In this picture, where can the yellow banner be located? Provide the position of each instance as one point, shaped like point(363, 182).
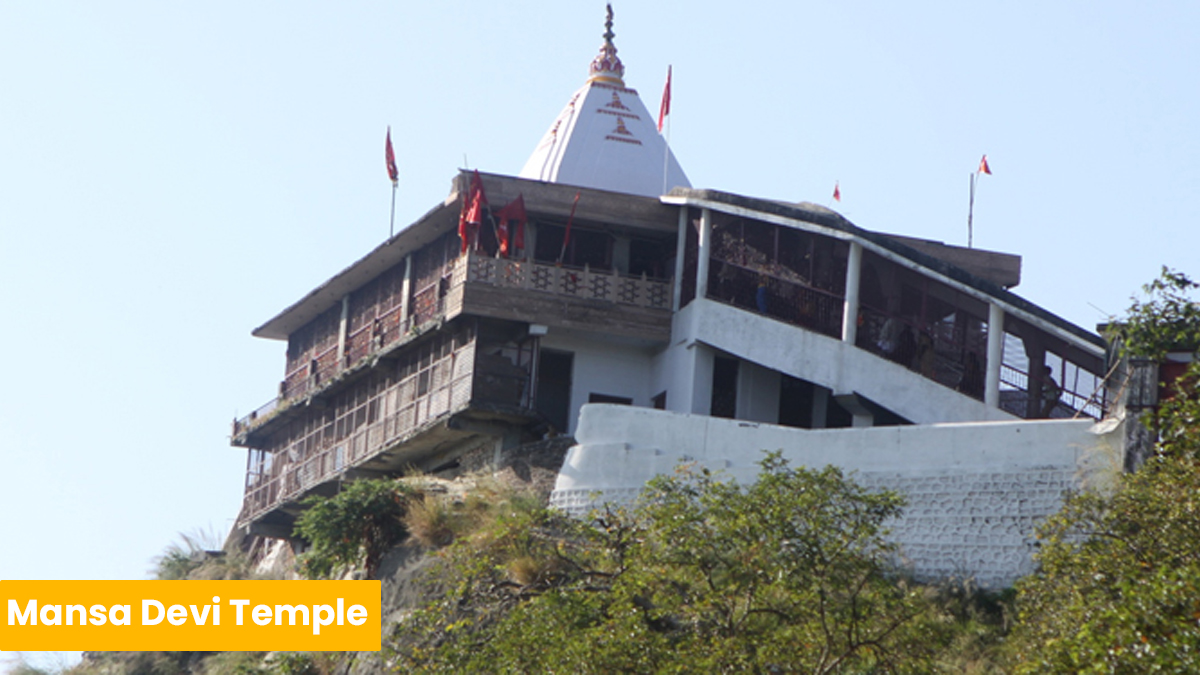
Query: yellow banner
point(190, 616)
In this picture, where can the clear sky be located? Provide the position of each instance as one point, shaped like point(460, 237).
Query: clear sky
point(173, 175)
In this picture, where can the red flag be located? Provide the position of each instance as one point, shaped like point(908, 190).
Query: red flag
point(837, 191)
point(390, 156)
point(514, 211)
point(567, 234)
point(472, 211)
point(983, 166)
point(665, 108)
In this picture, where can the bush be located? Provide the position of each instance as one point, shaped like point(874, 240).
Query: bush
point(354, 528)
point(791, 573)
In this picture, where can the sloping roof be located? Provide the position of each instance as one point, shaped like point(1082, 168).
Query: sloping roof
point(832, 220)
point(541, 198)
point(605, 137)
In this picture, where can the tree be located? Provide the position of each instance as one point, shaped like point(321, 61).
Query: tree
point(1167, 320)
point(789, 574)
point(1118, 585)
point(1118, 589)
point(354, 528)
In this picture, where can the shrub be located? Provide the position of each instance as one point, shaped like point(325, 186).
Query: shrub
point(354, 528)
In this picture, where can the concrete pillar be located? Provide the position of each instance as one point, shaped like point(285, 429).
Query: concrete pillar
point(343, 323)
point(703, 359)
point(995, 355)
point(850, 304)
point(680, 252)
point(405, 289)
point(705, 248)
point(860, 414)
point(820, 407)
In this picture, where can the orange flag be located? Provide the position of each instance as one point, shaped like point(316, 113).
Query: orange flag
point(983, 166)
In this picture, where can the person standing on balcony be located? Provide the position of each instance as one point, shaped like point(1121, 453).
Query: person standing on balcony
point(972, 381)
point(760, 296)
point(1051, 392)
point(889, 336)
point(925, 361)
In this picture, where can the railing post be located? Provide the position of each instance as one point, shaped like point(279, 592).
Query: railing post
point(850, 304)
point(995, 355)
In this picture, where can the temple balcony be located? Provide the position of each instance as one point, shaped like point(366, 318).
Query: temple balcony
point(475, 285)
point(411, 383)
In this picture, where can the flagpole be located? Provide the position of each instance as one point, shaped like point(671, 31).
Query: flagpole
point(495, 230)
point(666, 154)
point(392, 223)
point(664, 110)
point(389, 155)
point(971, 213)
point(567, 233)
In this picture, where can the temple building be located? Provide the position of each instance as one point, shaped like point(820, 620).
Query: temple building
point(598, 297)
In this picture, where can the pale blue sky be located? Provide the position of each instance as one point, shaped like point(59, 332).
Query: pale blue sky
point(172, 175)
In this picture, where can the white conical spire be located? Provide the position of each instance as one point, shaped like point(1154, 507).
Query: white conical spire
point(605, 137)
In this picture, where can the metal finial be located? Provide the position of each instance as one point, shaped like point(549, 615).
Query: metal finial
point(607, 67)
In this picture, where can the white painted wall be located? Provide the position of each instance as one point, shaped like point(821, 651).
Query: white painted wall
point(758, 393)
point(684, 370)
point(615, 368)
point(826, 361)
point(975, 490)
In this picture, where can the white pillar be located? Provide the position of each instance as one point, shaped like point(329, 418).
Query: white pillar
point(995, 355)
point(342, 325)
point(703, 252)
point(404, 290)
point(850, 305)
point(820, 407)
point(680, 252)
point(702, 378)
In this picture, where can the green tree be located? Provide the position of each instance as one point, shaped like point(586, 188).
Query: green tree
point(354, 528)
point(789, 574)
point(1168, 319)
point(1118, 586)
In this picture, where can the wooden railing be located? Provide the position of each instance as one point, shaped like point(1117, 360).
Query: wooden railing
point(429, 304)
point(570, 281)
point(274, 479)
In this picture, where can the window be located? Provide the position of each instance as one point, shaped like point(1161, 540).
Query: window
point(659, 402)
point(606, 398)
point(586, 247)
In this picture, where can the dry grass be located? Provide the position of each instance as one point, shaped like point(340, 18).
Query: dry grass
point(448, 511)
point(431, 520)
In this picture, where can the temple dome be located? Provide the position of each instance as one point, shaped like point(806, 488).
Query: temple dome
point(605, 137)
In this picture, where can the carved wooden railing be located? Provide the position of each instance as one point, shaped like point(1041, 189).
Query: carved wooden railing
point(429, 304)
point(440, 388)
point(585, 283)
